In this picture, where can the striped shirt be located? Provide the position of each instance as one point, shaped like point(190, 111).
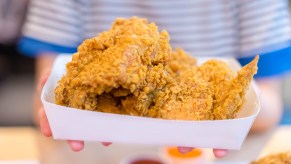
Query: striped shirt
point(238, 28)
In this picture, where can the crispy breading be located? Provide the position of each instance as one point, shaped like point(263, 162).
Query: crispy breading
point(139, 102)
point(179, 62)
point(118, 58)
point(210, 91)
point(131, 70)
point(231, 95)
point(188, 97)
point(279, 158)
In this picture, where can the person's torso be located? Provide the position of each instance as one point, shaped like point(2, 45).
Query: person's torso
point(200, 27)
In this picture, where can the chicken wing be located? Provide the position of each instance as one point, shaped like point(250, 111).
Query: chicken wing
point(230, 94)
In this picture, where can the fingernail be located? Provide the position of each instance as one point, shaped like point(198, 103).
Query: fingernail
point(220, 153)
point(106, 143)
point(46, 132)
point(184, 150)
point(76, 146)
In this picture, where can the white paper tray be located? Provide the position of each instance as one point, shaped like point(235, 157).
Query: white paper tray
point(69, 123)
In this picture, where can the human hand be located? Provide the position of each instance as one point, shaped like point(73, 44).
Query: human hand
point(42, 120)
point(218, 153)
point(46, 131)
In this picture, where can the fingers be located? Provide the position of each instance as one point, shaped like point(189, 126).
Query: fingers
point(184, 150)
point(46, 131)
point(42, 80)
point(220, 153)
point(79, 145)
point(43, 123)
point(106, 143)
point(76, 145)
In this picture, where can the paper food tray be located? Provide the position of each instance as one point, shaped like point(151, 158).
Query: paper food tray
point(74, 124)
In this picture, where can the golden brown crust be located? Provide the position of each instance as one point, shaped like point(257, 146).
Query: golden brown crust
point(120, 57)
point(130, 69)
point(280, 158)
point(180, 61)
point(231, 93)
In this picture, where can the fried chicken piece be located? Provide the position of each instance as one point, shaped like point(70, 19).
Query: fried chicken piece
point(280, 158)
point(216, 72)
point(204, 93)
point(187, 98)
point(179, 62)
point(119, 58)
point(140, 102)
point(151, 100)
point(230, 95)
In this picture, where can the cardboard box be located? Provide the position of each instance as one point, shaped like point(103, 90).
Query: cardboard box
point(74, 124)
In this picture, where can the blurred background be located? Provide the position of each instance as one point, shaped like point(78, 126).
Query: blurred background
point(17, 71)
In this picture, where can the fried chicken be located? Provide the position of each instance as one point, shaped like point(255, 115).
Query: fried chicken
point(210, 91)
point(180, 61)
point(131, 70)
point(230, 94)
point(188, 97)
point(280, 158)
point(118, 59)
